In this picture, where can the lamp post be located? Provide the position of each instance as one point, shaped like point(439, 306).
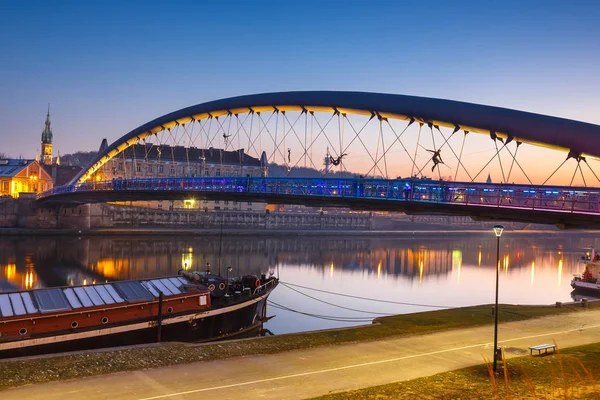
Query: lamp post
point(498, 231)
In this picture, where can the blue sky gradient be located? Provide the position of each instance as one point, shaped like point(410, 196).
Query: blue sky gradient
point(108, 67)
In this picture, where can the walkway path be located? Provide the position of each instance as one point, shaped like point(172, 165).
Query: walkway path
point(312, 372)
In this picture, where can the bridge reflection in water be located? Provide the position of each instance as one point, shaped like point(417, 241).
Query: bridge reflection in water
point(440, 270)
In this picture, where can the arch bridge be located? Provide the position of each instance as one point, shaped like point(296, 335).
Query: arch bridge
point(365, 151)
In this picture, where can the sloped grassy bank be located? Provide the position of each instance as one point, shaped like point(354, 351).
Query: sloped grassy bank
point(570, 374)
point(90, 363)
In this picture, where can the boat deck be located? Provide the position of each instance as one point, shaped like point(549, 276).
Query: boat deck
point(72, 298)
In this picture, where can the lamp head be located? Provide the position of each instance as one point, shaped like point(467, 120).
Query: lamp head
point(498, 230)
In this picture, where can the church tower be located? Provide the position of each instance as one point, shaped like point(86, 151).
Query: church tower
point(47, 141)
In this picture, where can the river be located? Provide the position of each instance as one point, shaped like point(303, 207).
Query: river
point(411, 273)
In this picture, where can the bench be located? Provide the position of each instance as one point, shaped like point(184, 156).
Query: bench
point(541, 347)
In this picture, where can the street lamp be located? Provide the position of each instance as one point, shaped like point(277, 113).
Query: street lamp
point(498, 231)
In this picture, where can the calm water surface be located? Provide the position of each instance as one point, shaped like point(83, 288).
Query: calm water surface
point(446, 271)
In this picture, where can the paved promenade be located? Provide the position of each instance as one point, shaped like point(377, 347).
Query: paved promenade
point(312, 372)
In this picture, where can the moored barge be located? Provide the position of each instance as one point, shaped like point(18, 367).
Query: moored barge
point(188, 307)
point(588, 280)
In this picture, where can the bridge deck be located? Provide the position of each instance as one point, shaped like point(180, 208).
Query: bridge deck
point(576, 207)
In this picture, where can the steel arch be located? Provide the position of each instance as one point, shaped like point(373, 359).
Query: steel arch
point(541, 130)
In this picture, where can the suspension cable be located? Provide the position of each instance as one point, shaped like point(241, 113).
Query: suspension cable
point(435, 149)
point(588, 165)
point(416, 148)
point(488, 163)
point(581, 171)
point(383, 148)
point(499, 159)
point(517, 162)
point(460, 156)
point(574, 173)
point(547, 179)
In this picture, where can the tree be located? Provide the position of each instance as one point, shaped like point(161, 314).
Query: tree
point(78, 159)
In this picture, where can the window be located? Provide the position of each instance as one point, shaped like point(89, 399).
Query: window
point(161, 169)
point(172, 170)
point(216, 201)
point(249, 203)
point(138, 168)
point(5, 186)
point(120, 166)
point(149, 168)
point(226, 201)
point(218, 172)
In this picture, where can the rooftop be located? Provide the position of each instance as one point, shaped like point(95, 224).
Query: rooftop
point(11, 167)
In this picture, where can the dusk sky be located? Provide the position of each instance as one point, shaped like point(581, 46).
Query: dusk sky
point(107, 67)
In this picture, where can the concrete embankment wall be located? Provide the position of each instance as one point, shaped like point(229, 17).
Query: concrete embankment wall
point(25, 213)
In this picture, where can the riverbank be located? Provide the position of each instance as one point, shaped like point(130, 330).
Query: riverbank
point(568, 374)
point(262, 232)
point(91, 363)
point(283, 374)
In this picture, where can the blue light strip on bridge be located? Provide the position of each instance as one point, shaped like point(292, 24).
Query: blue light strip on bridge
point(562, 199)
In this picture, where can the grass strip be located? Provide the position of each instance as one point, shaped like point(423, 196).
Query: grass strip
point(90, 363)
point(568, 374)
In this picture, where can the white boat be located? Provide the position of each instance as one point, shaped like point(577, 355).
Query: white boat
point(588, 280)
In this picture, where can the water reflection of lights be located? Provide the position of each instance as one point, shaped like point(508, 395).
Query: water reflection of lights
point(560, 268)
point(457, 262)
point(379, 270)
point(479, 259)
point(10, 271)
point(420, 271)
point(29, 280)
point(505, 262)
point(532, 271)
point(331, 271)
point(187, 259)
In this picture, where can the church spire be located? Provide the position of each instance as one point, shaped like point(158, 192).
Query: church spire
point(47, 140)
point(47, 132)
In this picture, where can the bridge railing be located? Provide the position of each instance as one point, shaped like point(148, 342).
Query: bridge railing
point(565, 199)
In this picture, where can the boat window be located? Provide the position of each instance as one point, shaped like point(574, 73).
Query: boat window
point(17, 304)
point(172, 288)
point(182, 280)
point(31, 308)
point(5, 308)
point(83, 297)
point(177, 283)
point(133, 291)
point(113, 293)
point(101, 289)
point(94, 296)
point(72, 298)
point(151, 288)
point(51, 300)
point(158, 284)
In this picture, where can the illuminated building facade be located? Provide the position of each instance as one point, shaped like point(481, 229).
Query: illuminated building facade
point(145, 161)
point(23, 176)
